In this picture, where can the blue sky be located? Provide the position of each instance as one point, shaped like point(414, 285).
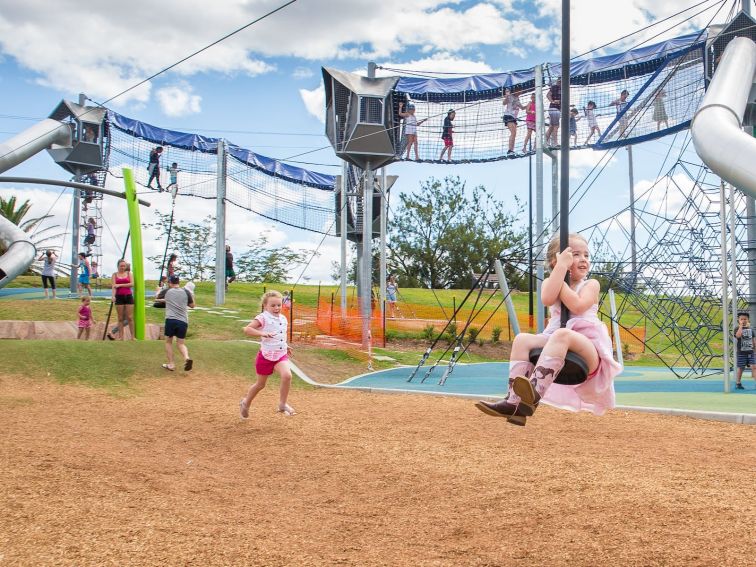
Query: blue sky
point(268, 79)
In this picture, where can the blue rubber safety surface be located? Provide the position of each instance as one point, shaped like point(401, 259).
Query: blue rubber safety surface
point(489, 379)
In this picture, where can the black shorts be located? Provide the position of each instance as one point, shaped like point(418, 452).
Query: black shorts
point(509, 119)
point(746, 359)
point(51, 279)
point(124, 299)
point(175, 328)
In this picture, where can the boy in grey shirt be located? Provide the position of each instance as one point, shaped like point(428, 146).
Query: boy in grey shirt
point(177, 301)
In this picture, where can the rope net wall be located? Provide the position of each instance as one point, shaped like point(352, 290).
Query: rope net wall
point(676, 291)
point(290, 195)
point(664, 84)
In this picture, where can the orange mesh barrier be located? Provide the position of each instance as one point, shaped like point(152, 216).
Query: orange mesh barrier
point(348, 325)
point(413, 318)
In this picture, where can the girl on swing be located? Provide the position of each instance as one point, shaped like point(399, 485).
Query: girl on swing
point(584, 334)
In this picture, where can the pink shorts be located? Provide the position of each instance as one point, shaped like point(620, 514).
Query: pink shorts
point(85, 323)
point(448, 142)
point(265, 367)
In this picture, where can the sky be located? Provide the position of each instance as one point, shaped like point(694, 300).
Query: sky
point(262, 88)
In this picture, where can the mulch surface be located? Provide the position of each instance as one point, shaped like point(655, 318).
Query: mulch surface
point(171, 476)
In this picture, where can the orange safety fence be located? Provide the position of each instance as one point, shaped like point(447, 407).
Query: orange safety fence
point(347, 325)
point(328, 320)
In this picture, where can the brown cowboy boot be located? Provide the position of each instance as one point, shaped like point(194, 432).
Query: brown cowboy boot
point(503, 408)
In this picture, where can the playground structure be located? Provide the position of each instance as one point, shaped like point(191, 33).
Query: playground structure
point(364, 128)
point(679, 276)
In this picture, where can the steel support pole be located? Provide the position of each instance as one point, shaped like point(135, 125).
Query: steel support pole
point(504, 286)
point(751, 252)
point(75, 220)
point(344, 239)
point(367, 254)
point(615, 328)
point(633, 255)
point(564, 189)
point(382, 278)
point(725, 321)
point(539, 195)
point(733, 267)
point(220, 226)
point(554, 191)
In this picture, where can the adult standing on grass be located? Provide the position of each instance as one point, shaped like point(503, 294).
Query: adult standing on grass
point(230, 274)
point(48, 271)
point(123, 298)
point(177, 301)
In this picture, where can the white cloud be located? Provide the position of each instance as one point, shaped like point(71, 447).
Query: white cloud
point(302, 73)
point(589, 18)
point(582, 161)
point(178, 100)
point(314, 102)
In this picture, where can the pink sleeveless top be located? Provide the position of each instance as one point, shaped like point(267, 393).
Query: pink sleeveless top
point(123, 290)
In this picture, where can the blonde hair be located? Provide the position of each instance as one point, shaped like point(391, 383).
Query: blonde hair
point(267, 295)
point(85, 299)
point(553, 248)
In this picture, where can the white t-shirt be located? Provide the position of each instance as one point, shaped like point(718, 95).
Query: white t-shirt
point(410, 124)
point(511, 105)
point(275, 347)
point(49, 268)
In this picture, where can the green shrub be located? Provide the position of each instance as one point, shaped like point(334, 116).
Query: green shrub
point(429, 332)
point(496, 334)
point(473, 333)
point(451, 332)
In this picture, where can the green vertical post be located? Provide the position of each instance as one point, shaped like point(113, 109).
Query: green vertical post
point(137, 266)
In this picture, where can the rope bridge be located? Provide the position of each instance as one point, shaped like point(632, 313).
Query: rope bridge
point(291, 195)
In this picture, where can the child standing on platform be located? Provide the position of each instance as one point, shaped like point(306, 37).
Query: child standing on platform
point(85, 318)
point(590, 116)
point(173, 173)
point(447, 135)
point(530, 121)
point(410, 128)
point(273, 356)
point(746, 345)
point(573, 125)
point(585, 335)
point(512, 107)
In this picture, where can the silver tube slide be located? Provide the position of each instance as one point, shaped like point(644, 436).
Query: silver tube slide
point(717, 130)
point(20, 251)
point(32, 141)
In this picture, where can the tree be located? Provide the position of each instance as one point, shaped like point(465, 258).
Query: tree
point(441, 236)
point(263, 264)
point(17, 214)
point(194, 243)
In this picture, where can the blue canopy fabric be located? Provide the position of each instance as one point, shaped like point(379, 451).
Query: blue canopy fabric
point(641, 60)
point(198, 143)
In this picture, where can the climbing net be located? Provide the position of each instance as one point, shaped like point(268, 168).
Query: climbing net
point(675, 291)
point(266, 187)
point(663, 86)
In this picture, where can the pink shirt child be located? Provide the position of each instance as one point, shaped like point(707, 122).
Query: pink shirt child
point(85, 317)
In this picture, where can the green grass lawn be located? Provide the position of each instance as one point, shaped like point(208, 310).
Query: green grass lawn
point(243, 300)
point(118, 366)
